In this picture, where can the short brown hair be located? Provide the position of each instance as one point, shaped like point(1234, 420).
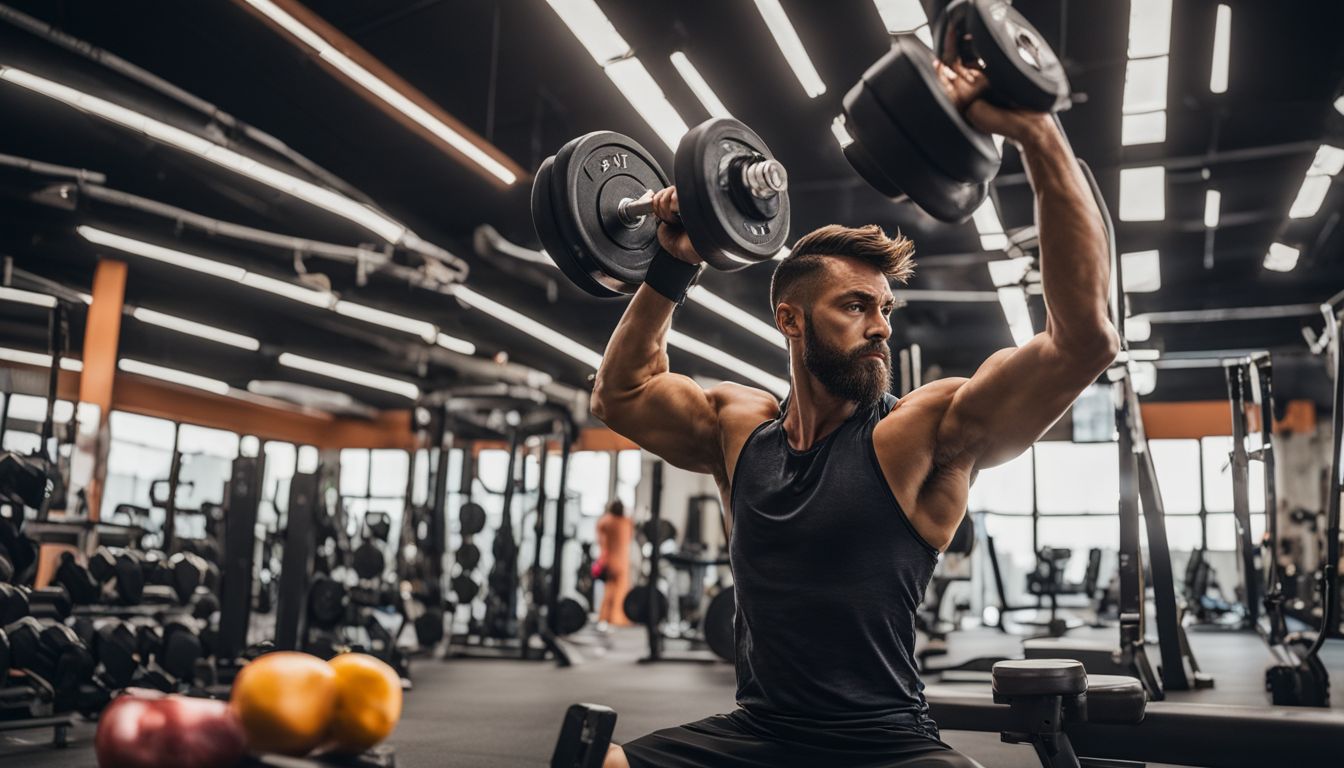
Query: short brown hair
point(895, 256)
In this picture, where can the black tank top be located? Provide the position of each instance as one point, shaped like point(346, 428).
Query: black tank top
point(828, 575)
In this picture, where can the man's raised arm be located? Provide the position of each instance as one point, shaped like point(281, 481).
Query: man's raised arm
point(1018, 393)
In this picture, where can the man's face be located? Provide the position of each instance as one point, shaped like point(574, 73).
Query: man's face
point(845, 332)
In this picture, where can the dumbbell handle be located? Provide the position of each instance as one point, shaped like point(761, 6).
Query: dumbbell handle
point(763, 179)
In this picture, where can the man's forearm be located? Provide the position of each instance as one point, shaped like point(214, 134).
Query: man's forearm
point(637, 351)
point(1075, 265)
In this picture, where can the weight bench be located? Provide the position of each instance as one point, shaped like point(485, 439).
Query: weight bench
point(1063, 712)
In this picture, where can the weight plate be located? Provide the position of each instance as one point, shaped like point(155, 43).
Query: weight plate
point(472, 518)
point(724, 233)
point(666, 530)
point(368, 560)
point(570, 616)
point(906, 85)
point(718, 623)
point(940, 195)
point(1022, 68)
point(466, 588)
point(326, 603)
point(561, 250)
point(636, 605)
point(468, 556)
point(590, 176)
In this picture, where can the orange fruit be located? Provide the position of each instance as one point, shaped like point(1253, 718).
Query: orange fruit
point(285, 701)
point(368, 703)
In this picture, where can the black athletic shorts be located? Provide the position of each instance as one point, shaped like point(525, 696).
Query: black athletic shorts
point(737, 740)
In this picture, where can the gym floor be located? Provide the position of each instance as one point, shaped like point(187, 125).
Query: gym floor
point(479, 713)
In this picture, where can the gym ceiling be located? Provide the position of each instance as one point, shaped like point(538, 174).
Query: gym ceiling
point(513, 73)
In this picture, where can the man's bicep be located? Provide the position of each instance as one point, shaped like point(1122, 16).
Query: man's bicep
point(673, 417)
point(1013, 398)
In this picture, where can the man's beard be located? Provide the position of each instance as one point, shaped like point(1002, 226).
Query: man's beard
point(848, 375)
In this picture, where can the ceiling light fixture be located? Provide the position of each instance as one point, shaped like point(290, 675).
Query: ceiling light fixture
point(987, 223)
point(38, 359)
point(717, 356)
point(193, 328)
point(1281, 258)
point(383, 91)
point(1142, 271)
point(786, 37)
point(350, 375)
point(698, 86)
point(1143, 193)
point(461, 346)
point(731, 312)
point(539, 331)
point(307, 191)
point(1222, 46)
point(27, 297)
point(421, 328)
point(1213, 203)
point(1014, 302)
point(173, 375)
point(165, 255)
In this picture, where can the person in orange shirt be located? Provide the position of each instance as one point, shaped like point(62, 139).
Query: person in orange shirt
point(614, 532)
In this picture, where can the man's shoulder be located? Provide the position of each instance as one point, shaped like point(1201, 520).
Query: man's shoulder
point(738, 401)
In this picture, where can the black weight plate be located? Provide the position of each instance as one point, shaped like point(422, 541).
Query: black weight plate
point(666, 530)
point(570, 616)
point(907, 87)
point(1022, 68)
point(868, 168)
point(472, 518)
point(724, 235)
point(564, 252)
point(590, 176)
point(368, 560)
point(636, 605)
point(719, 617)
point(326, 603)
point(468, 556)
point(940, 195)
point(466, 588)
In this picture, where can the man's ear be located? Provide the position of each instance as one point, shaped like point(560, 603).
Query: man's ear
point(789, 319)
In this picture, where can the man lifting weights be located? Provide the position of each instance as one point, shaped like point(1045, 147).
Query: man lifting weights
point(839, 499)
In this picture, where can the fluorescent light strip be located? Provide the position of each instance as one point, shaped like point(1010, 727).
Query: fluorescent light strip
point(159, 253)
point(1143, 128)
point(717, 356)
point(593, 29)
point(639, 88)
point(321, 299)
point(1329, 161)
point(195, 329)
point(786, 37)
point(1222, 46)
point(698, 86)
point(1138, 329)
point(1149, 28)
point(319, 196)
point(424, 330)
point(841, 133)
point(27, 297)
point(172, 375)
point(527, 325)
point(1145, 85)
point(731, 312)
point(987, 223)
point(350, 375)
point(1142, 271)
point(1014, 302)
point(1213, 203)
point(455, 344)
point(901, 15)
point(288, 290)
point(1310, 196)
point(1143, 194)
point(1281, 258)
point(38, 359)
point(1339, 105)
point(382, 90)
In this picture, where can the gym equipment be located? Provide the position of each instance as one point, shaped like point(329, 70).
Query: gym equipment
point(585, 735)
point(53, 653)
point(1109, 721)
point(718, 625)
point(910, 139)
point(591, 204)
point(991, 35)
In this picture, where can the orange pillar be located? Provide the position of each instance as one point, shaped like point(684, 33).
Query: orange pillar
point(101, 335)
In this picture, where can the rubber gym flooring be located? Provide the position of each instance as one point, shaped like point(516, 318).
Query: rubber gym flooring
point(477, 713)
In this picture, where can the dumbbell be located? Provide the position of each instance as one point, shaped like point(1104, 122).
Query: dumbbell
point(368, 560)
point(591, 204)
point(54, 653)
point(911, 141)
point(122, 569)
point(182, 647)
point(18, 551)
point(46, 603)
point(83, 588)
point(114, 647)
point(188, 572)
